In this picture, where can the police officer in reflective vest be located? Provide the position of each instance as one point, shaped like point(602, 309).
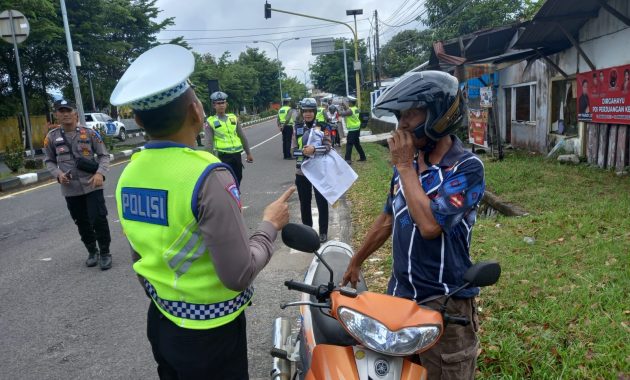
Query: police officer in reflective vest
point(353, 124)
point(180, 209)
point(226, 136)
point(286, 117)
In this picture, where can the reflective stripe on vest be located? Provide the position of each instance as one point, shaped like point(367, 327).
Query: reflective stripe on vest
point(352, 122)
point(225, 138)
point(200, 312)
point(156, 201)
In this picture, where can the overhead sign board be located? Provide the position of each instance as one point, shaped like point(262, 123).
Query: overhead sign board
point(322, 46)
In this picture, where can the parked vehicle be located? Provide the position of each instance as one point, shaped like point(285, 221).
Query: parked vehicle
point(348, 333)
point(111, 127)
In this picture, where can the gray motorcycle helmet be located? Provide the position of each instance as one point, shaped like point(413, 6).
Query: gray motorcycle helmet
point(308, 104)
point(436, 91)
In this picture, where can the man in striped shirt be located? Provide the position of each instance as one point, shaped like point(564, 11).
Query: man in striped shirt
point(430, 212)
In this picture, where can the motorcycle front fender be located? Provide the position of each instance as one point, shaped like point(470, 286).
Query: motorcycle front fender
point(338, 362)
point(332, 362)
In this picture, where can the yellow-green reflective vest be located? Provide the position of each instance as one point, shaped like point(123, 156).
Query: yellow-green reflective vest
point(157, 205)
point(352, 122)
point(320, 115)
point(282, 114)
point(225, 138)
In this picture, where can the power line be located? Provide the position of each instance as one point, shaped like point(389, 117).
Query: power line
point(405, 13)
point(391, 17)
point(266, 28)
point(249, 42)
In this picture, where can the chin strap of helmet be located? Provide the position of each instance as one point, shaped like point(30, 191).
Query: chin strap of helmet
point(427, 149)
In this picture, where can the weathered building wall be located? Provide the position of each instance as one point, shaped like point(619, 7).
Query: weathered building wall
point(530, 134)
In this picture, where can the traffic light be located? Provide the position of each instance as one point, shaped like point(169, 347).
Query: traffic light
point(267, 10)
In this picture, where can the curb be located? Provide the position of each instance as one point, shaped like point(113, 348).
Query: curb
point(42, 175)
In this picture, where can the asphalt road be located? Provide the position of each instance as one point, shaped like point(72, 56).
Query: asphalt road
point(62, 320)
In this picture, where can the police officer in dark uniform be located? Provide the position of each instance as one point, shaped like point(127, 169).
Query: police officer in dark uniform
point(70, 151)
point(310, 139)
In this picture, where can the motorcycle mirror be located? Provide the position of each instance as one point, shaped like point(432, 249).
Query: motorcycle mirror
point(300, 237)
point(484, 273)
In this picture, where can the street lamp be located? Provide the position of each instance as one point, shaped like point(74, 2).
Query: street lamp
point(357, 63)
point(303, 71)
point(277, 47)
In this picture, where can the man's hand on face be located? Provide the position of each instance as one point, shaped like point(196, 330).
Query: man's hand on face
point(401, 148)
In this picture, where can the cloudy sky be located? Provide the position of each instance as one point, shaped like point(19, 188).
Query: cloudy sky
point(216, 26)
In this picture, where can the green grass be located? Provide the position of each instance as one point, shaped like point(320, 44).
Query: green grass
point(560, 309)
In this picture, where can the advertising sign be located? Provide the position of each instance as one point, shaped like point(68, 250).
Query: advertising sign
point(478, 127)
point(603, 96)
point(486, 97)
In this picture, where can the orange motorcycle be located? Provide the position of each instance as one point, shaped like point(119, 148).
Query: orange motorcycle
point(348, 333)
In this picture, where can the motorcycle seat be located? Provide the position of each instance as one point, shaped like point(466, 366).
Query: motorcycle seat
point(328, 330)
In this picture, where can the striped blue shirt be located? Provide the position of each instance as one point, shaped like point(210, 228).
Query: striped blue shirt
point(426, 268)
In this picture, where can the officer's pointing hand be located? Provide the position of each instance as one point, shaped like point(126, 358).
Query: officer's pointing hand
point(277, 212)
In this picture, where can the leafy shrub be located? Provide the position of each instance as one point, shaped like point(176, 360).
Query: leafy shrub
point(107, 139)
point(270, 112)
point(14, 155)
point(34, 163)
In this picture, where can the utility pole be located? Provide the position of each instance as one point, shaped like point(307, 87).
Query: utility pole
point(345, 67)
point(73, 68)
point(377, 52)
point(371, 62)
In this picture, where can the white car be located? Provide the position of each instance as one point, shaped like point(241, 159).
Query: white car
point(111, 127)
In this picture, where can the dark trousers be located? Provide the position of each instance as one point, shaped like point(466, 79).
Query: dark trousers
point(90, 215)
point(287, 135)
point(353, 140)
point(187, 354)
point(235, 161)
point(305, 193)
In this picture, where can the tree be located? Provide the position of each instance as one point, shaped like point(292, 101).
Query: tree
point(109, 34)
point(452, 18)
point(327, 72)
point(406, 50)
point(267, 71)
point(296, 89)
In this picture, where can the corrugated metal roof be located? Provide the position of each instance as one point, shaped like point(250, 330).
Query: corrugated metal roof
point(543, 32)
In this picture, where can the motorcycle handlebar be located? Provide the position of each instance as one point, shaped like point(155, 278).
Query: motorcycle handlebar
point(302, 287)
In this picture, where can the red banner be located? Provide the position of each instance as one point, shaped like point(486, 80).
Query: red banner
point(603, 96)
point(478, 127)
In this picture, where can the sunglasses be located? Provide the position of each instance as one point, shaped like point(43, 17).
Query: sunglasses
point(219, 102)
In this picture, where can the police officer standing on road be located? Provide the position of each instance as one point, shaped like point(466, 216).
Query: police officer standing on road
point(311, 138)
point(286, 117)
point(225, 135)
point(353, 124)
point(69, 151)
point(180, 209)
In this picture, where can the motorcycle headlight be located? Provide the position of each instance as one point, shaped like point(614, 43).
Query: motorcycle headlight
point(376, 336)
